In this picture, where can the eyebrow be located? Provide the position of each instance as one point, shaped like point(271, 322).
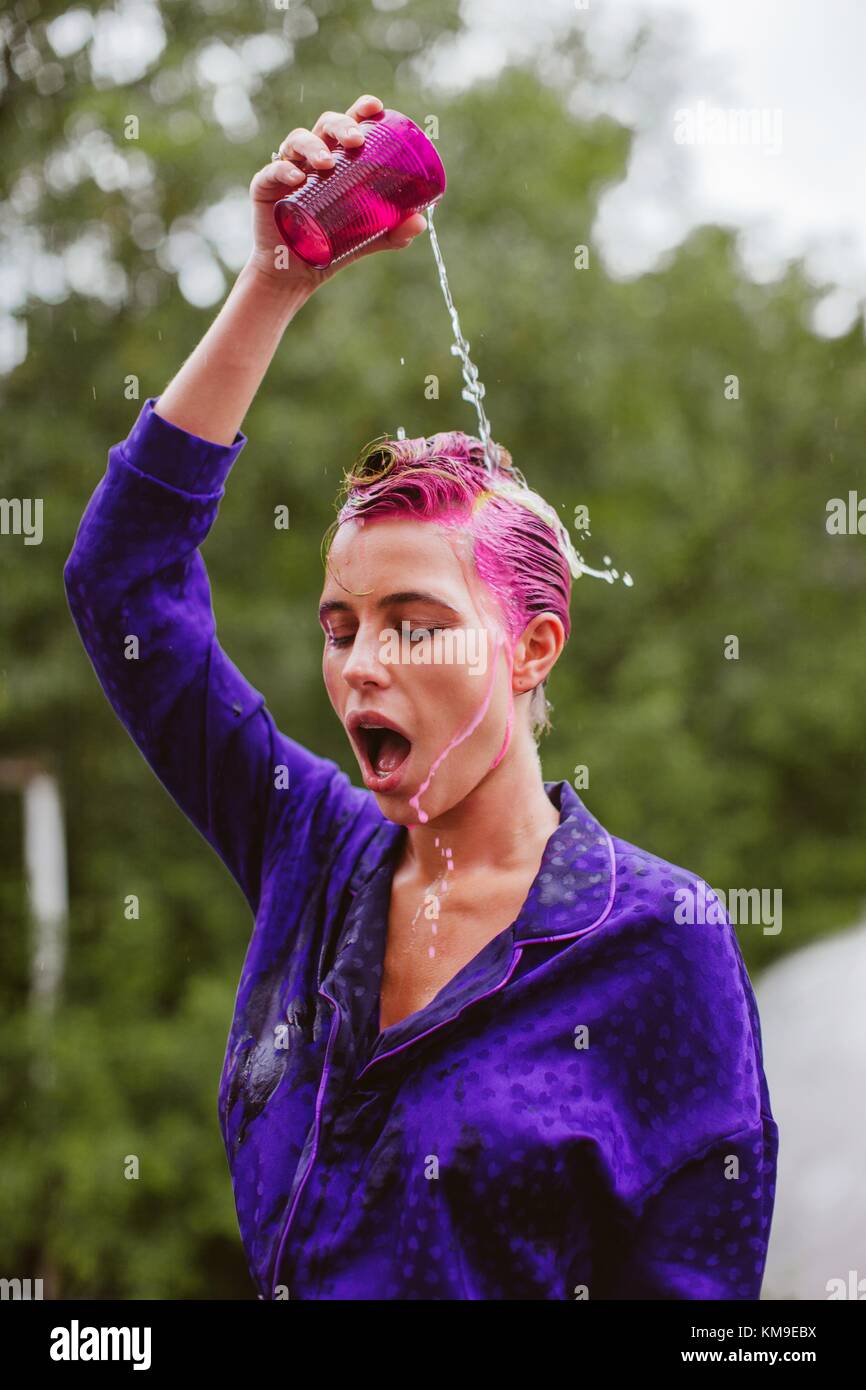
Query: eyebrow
point(389, 601)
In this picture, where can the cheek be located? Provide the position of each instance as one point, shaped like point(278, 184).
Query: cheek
point(330, 677)
point(459, 695)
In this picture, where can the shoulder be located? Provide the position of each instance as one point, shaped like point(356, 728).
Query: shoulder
point(674, 907)
point(670, 922)
point(647, 878)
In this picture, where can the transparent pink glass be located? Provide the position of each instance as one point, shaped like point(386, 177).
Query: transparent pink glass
point(366, 192)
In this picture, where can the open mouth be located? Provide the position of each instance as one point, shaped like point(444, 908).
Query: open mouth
point(386, 750)
point(383, 750)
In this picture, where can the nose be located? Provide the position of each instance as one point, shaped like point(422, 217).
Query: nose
point(364, 664)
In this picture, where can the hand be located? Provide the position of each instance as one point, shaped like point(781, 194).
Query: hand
point(301, 151)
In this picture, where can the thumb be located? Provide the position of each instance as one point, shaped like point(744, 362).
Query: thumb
point(407, 230)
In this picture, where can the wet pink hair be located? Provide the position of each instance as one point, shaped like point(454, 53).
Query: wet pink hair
point(443, 478)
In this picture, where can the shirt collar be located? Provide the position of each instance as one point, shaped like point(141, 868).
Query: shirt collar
point(571, 894)
point(573, 889)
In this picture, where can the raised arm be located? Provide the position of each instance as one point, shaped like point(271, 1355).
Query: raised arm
point(136, 582)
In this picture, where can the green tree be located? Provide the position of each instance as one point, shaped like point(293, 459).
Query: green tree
point(609, 395)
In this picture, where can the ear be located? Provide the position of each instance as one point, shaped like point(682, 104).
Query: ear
point(537, 651)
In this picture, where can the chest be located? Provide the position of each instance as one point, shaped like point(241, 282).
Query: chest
point(432, 935)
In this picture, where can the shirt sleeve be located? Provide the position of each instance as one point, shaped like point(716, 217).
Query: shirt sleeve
point(140, 597)
point(702, 1231)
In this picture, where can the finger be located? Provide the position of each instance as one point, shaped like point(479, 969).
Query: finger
point(302, 144)
point(365, 106)
point(278, 175)
point(342, 129)
point(406, 231)
point(398, 237)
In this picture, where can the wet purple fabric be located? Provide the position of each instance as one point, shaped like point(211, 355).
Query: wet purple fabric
point(582, 1111)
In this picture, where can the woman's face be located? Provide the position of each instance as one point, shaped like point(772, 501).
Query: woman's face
point(415, 643)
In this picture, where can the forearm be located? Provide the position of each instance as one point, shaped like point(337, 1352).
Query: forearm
point(213, 390)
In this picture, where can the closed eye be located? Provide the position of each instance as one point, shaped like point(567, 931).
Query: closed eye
point(415, 634)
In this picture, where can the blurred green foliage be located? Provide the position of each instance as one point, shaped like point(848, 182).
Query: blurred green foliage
point(609, 395)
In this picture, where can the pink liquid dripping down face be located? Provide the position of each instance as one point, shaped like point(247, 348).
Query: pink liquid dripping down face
point(485, 560)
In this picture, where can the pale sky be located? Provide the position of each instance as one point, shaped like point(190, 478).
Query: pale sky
point(796, 192)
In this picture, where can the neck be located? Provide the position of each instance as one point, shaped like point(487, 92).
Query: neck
point(503, 824)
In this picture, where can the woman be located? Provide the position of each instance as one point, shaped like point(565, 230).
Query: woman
point(475, 1054)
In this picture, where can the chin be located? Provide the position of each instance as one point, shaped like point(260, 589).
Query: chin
point(435, 803)
point(396, 805)
point(396, 809)
point(396, 802)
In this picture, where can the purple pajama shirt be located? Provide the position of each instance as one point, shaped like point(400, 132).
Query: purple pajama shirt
point(581, 1111)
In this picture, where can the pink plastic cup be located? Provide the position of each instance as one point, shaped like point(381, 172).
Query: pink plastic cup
point(366, 192)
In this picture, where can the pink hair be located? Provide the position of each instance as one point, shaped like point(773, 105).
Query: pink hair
point(443, 478)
